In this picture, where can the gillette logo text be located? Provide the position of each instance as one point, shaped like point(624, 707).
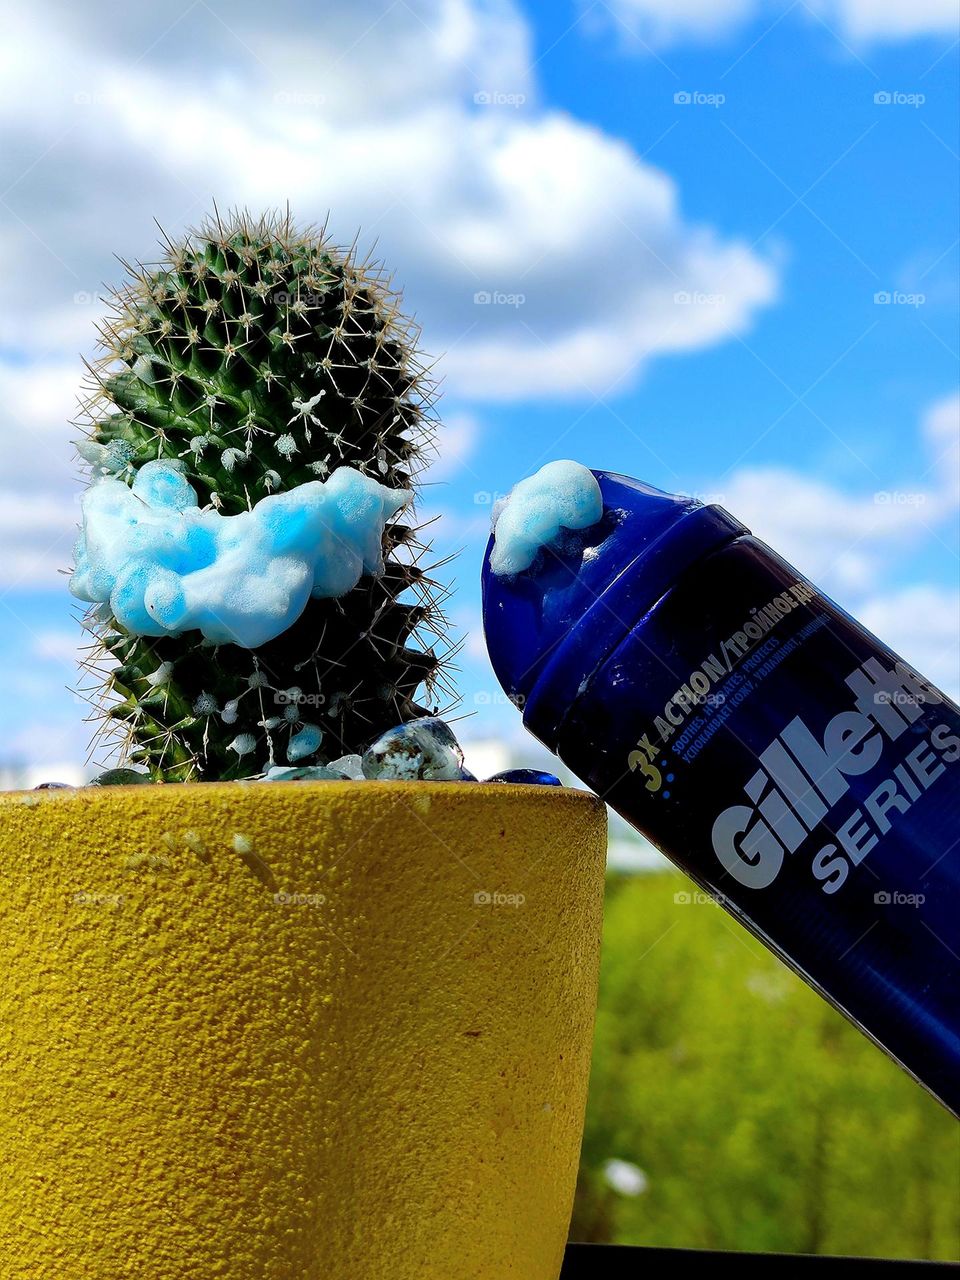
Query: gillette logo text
point(804, 775)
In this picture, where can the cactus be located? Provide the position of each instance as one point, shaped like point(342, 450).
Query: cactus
point(262, 357)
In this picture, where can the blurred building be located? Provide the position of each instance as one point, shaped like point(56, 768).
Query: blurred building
point(18, 775)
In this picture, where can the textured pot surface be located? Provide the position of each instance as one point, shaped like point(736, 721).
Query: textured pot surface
point(295, 1031)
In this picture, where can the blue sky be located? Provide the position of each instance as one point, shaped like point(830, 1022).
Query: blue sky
point(686, 214)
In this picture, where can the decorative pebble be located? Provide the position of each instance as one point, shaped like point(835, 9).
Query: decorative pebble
point(308, 773)
point(423, 749)
point(536, 777)
point(119, 778)
point(348, 766)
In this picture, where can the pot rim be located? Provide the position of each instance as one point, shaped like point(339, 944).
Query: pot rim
point(509, 790)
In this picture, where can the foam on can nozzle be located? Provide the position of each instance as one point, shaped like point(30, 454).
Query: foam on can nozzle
point(551, 624)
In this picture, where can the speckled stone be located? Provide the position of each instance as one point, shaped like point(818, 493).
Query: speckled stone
point(530, 777)
point(331, 1031)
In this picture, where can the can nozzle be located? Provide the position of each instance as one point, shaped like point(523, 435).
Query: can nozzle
point(549, 627)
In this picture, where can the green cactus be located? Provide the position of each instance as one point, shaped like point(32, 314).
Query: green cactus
point(262, 357)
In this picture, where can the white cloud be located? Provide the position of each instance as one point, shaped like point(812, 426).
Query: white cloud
point(838, 538)
point(941, 429)
point(64, 647)
point(849, 543)
point(38, 489)
point(657, 23)
point(370, 113)
point(373, 115)
point(921, 623)
point(456, 446)
point(37, 532)
point(660, 23)
point(895, 19)
point(42, 718)
point(845, 540)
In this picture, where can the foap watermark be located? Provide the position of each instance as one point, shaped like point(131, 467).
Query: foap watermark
point(899, 498)
point(885, 898)
point(488, 497)
point(86, 898)
point(497, 698)
point(300, 301)
point(284, 899)
point(696, 298)
point(498, 98)
point(86, 98)
point(695, 98)
point(707, 498)
point(498, 298)
point(898, 298)
point(496, 898)
point(898, 698)
point(288, 98)
point(897, 98)
point(696, 898)
point(297, 698)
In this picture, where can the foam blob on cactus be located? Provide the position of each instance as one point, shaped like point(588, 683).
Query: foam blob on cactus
point(258, 415)
point(166, 567)
point(561, 495)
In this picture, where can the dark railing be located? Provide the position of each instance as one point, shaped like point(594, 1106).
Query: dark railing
point(619, 1262)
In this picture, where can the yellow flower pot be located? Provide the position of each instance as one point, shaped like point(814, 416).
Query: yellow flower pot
point(294, 1031)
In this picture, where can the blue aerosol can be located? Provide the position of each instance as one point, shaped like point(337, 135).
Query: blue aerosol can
point(791, 764)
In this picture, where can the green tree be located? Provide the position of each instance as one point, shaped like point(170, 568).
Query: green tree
point(760, 1118)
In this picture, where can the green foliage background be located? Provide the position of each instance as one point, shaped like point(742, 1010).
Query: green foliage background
point(761, 1119)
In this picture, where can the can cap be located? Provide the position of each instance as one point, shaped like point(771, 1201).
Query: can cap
point(549, 628)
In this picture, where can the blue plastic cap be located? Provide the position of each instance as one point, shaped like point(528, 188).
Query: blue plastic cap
point(549, 628)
